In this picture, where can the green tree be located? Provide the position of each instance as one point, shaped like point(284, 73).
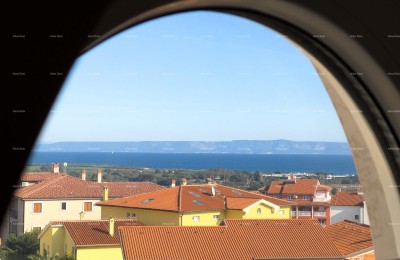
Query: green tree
point(19, 247)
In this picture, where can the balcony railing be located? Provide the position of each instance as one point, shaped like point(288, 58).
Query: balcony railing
point(308, 213)
point(302, 213)
point(319, 214)
point(319, 199)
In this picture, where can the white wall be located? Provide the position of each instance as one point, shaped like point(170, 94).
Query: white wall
point(51, 211)
point(340, 213)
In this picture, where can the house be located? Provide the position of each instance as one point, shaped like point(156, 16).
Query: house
point(83, 240)
point(239, 239)
point(311, 198)
point(64, 197)
point(196, 205)
point(352, 239)
point(350, 206)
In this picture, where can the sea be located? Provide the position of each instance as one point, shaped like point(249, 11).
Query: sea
point(334, 164)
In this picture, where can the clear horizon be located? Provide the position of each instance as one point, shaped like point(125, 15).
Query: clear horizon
point(193, 76)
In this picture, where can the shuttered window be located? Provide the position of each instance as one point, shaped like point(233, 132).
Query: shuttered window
point(87, 206)
point(37, 207)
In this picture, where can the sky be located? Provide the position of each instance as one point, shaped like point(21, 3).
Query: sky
point(194, 76)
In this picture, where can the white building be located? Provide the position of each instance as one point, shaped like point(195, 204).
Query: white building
point(348, 206)
point(63, 197)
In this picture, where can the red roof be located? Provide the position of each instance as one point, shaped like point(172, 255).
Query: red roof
point(350, 237)
point(65, 186)
point(93, 232)
point(189, 198)
point(239, 239)
point(303, 186)
point(36, 176)
point(347, 199)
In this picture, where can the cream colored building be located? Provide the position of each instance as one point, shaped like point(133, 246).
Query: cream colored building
point(64, 197)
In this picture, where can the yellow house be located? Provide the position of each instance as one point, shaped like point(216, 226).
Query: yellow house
point(85, 239)
point(196, 205)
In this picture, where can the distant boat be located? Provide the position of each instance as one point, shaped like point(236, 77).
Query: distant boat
point(112, 152)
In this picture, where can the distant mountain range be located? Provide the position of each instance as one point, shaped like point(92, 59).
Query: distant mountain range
point(234, 147)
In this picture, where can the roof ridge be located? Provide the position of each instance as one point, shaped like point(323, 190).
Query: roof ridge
point(44, 184)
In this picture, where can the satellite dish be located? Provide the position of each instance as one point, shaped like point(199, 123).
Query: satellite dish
point(65, 164)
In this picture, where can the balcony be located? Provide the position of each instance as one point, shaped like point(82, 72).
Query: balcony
point(302, 213)
point(319, 199)
point(319, 214)
point(308, 214)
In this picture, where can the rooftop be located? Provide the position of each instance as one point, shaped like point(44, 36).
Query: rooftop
point(303, 186)
point(92, 232)
point(347, 199)
point(238, 239)
point(350, 237)
point(65, 186)
point(36, 176)
point(192, 198)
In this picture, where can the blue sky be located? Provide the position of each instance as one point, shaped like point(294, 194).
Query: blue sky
point(193, 76)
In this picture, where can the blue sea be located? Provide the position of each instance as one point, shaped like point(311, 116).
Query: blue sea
point(335, 164)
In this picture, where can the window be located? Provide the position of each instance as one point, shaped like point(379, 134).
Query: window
point(259, 211)
point(306, 197)
point(65, 248)
point(277, 196)
point(281, 212)
point(44, 247)
point(290, 197)
point(216, 217)
point(130, 215)
point(63, 205)
point(87, 206)
point(73, 252)
point(147, 201)
point(356, 217)
point(196, 218)
point(237, 192)
point(322, 222)
point(36, 228)
point(37, 207)
point(198, 202)
point(194, 194)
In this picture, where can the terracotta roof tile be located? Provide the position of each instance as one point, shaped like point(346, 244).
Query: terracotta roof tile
point(189, 198)
point(346, 199)
point(304, 186)
point(36, 176)
point(350, 237)
point(64, 186)
point(239, 203)
point(94, 232)
point(239, 239)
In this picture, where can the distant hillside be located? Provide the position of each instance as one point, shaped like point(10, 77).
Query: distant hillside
point(235, 147)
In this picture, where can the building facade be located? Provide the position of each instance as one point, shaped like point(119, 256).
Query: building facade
point(196, 205)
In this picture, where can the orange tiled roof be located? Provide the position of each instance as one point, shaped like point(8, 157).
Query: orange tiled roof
point(36, 176)
point(239, 203)
point(188, 198)
point(350, 237)
point(346, 199)
point(93, 232)
point(238, 240)
point(303, 186)
point(323, 188)
point(64, 186)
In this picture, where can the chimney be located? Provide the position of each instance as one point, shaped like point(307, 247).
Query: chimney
point(209, 181)
point(111, 229)
point(183, 181)
point(56, 168)
point(84, 174)
point(82, 215)
point(99, 175)
point(173, 183)
point(213, 191)
point(105, 193)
